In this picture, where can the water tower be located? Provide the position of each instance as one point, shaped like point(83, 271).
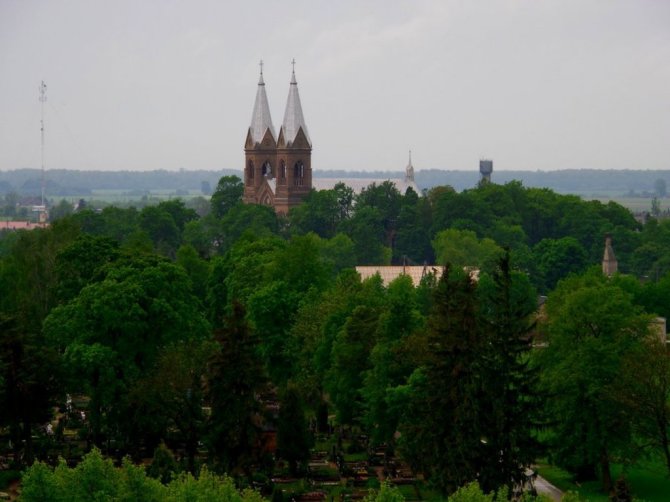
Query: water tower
point(485, 169)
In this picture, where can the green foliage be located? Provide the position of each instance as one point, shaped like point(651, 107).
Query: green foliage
point(208, 487)
point(472, 492)
point(63, 209)
point(366, 230)
point(462, 248)
point(556, 258)
point(96, 479)
point(246, 219)
point(112, 332)
point(643, 392)
point(234, 377)
point(28, 275)
point(227, 195)
point(195, 267)
point(28, 385)
point(293, 438)
point(318, 320)
point(91, 292)
point(390, 364)
point(386, 200)
point(338, 253)
point(412, 236)
point(271, 310)
point(113, 222)
point(163, 465)
point(386, 493)
point(350, 358)
point(480, 425)
point(93, 479)
point(169, 398)
point(592, 326)
point(318, 213)
point(80, 262)
point(441, 432)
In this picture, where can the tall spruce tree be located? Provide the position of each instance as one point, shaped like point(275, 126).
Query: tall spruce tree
point(512, 404)
point(234, 378)
point(441, 431)
point(472, 404)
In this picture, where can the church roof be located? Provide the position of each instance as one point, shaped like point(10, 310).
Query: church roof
point(389, 273)
point(293, 118)
point(261, 120)
point(272, 183)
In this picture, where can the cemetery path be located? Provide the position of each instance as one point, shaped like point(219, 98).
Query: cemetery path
point(546, 488)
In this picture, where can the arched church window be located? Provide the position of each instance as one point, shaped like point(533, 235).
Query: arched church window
point(267, 169)
point(298, 173)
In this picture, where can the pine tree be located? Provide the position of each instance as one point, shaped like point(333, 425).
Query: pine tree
point(441, 430)
point(472, 404)
point(512, 405)
point(235, 376)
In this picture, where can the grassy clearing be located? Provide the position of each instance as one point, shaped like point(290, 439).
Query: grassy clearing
point(648, 480)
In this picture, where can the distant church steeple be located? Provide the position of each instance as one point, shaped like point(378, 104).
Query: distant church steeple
point(610, 263)
point(409, 170)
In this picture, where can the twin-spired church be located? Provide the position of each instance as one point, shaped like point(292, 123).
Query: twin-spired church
point(278, 169)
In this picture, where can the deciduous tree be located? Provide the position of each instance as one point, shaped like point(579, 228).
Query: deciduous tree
point(592, 327)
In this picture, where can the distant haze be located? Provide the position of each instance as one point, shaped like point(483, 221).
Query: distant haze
point(532, 84)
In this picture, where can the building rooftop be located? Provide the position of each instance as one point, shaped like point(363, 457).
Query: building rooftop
point(390, 272)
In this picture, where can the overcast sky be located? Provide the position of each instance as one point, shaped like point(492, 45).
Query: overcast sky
point(532, 84)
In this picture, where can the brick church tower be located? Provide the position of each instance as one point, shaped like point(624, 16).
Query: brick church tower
point(278, 170)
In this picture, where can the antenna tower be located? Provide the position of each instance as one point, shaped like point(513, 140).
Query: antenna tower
point(43, 98)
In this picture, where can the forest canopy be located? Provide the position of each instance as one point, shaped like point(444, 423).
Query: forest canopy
point(237, 341)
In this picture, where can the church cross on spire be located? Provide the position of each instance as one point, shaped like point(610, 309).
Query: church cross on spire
point(293, 64)
point(261, 65)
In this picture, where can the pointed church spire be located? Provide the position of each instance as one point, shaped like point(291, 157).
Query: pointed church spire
point(409, 170)
point(261, 120)
point(293, 119)
point(610, 263)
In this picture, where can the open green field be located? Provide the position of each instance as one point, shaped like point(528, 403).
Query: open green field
point(635, 204)
point(128, 197)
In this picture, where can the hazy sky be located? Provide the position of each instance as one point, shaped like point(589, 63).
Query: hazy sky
point(532, 84)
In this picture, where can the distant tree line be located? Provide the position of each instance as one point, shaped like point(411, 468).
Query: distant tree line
point(64, 182)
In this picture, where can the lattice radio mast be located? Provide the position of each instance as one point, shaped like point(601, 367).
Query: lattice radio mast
point(43, 98)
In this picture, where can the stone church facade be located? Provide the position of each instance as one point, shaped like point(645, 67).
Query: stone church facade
point(278, 168)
